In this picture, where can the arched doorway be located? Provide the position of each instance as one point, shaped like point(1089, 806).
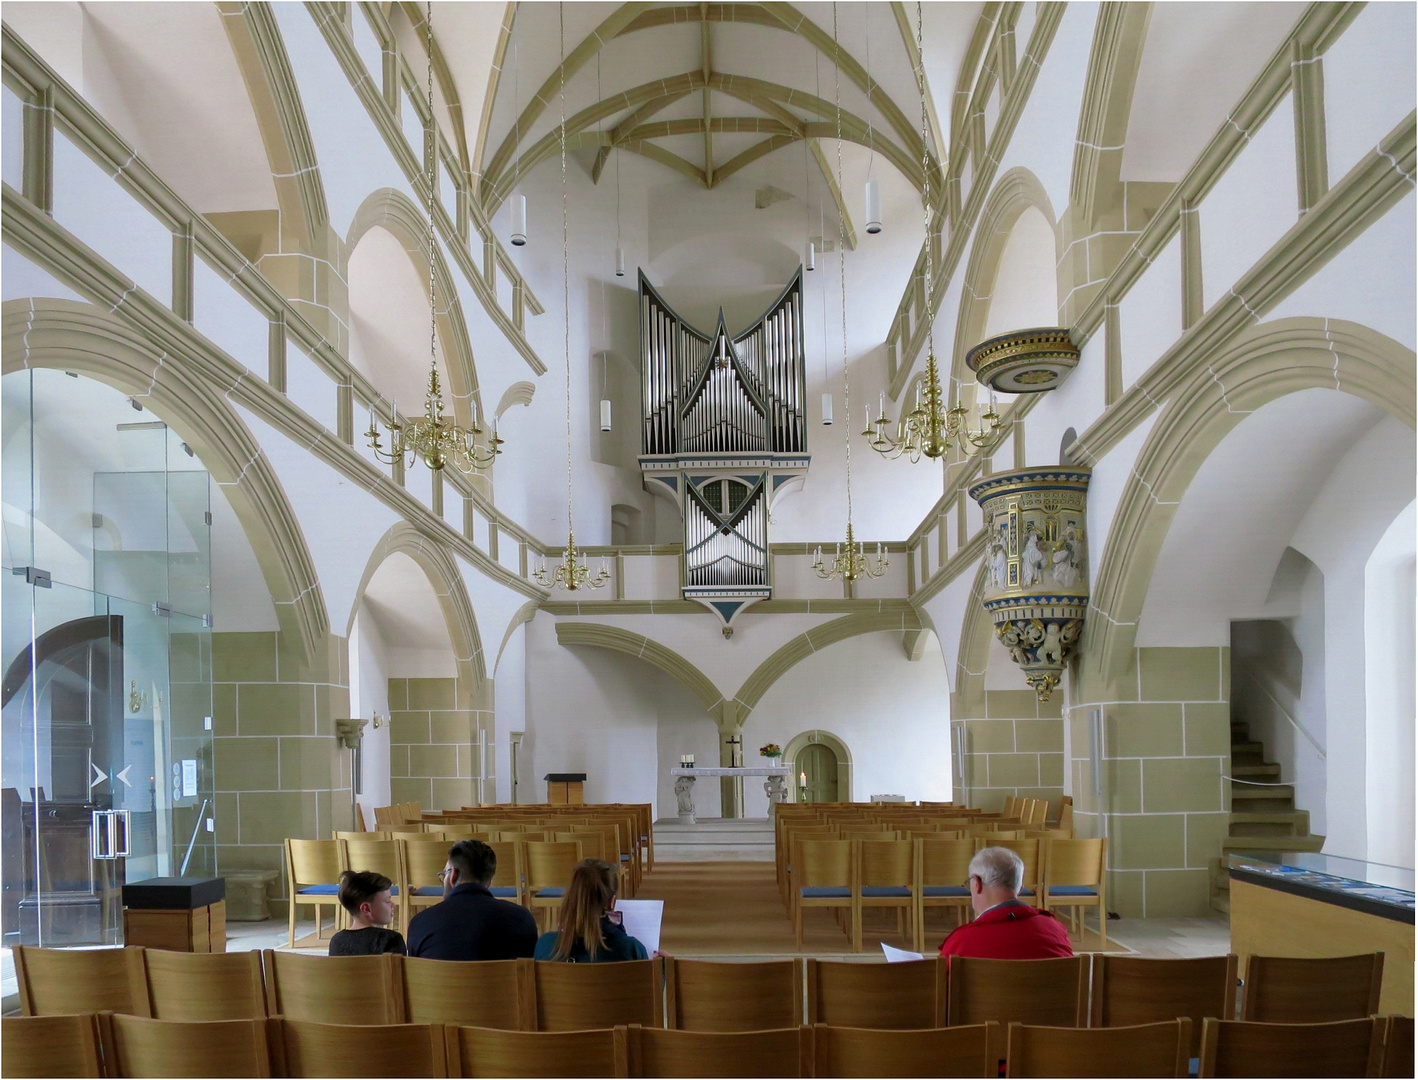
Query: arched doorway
point(827, 763)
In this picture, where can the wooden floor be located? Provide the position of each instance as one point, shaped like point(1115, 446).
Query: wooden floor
point(722, 908)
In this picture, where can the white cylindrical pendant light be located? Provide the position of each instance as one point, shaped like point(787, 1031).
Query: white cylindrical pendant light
point(811, 256)
point(605, 414)
point(519, 220)
point(873, 207)
point(619, 265)
point(826, 410)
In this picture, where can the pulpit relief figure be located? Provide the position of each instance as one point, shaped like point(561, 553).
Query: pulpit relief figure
point(999, 566)
point(1067, 559)
point(1032, 560)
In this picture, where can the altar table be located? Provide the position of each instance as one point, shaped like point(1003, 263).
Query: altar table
point(775, 785)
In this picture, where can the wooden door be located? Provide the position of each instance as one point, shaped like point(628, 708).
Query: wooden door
point(820, 765)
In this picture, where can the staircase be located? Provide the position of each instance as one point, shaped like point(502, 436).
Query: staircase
point(1264, 820)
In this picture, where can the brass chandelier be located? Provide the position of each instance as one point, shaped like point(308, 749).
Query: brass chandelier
point(851, 564)
point(572, 572)
point(435, 439)
point(929, 429)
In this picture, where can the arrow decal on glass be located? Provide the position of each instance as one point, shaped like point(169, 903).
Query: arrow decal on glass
point(124, 776)
point(99, 776)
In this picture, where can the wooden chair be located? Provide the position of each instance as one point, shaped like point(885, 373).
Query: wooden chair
point(575, 997)
point(377, 834)
point(138, 1046)
point(887, 879)
point(333, 989)
point(423, 862)
point(1311, 990)
point(1053, 993)
point(1161, 1049)
point(705, 995)
point(383, 857)
point(787, 834)
point(824, 875)
point(490, 994)
point(195, 987)
point(312, 1049)
point(44, 1046)
point(1039, 812)
point(1033, 853)
point(973, 1050)
point(507, 881)
point(1340, 1048)
point(313, 869)
point(484, 1052)
point(1131, 990)
point(1075, 876)
point(906, 995)
point(944, 867)
point(549, 866)
point(781, 1052)
point(65, 981)
point(1398, 1047)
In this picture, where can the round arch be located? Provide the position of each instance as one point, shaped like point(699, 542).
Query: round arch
point(395, 212)
point(973, 657)
point(1015, 192)
point(642, 648)
point(1264, 363)
point(798, 742)
point(71, 336)
point(433, 559)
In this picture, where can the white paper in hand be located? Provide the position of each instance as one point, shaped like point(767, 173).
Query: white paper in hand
point(641, 919)
point(897, 956)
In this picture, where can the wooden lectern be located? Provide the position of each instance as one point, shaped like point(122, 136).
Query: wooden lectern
point(566, 788)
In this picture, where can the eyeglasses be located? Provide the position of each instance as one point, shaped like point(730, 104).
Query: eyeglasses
point(444, 872)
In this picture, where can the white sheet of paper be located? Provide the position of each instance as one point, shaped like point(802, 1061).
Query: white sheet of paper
point(896, 956)
point(641, 919)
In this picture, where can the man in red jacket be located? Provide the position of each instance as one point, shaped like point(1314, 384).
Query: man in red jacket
point(1005, 927)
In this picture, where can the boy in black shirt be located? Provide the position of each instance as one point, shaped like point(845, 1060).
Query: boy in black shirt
point(365, 895)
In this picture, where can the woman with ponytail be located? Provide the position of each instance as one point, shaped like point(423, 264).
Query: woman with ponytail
point(590, 930)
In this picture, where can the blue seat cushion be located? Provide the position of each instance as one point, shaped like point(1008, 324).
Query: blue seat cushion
point(946, 890)
point(428, 890)
point(503, 890)
point(550, 894)
point(318, 890)
point(625, 858)
point(878, 891)
point(1026, 892)
point(1071, 890)
point(818, 892)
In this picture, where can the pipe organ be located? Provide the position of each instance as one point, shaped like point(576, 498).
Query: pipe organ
point(724, 436)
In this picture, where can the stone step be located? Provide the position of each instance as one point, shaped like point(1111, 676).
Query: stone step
point(1248, 822)
point(1247, 746)
point(1265, 771)
point(1269, 846)
point(714, 840)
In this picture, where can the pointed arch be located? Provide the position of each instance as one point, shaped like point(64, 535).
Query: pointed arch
point(71, 336)
point(1262, 364)
point(442, 572)
point(600, 636)
point(395, 212)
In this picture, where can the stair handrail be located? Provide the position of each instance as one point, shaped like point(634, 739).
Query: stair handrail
point(1286, 713)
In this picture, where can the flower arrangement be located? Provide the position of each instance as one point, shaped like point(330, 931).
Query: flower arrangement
point(772, 750)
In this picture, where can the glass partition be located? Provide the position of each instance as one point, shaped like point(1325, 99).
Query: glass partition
point(107, 740)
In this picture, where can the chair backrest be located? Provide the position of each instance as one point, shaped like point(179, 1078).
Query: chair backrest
point(423, 862)
point(333, 989)
point(474, 1051)
point(593, 844)
point(205, 986)
point(887, 862)
point(315, 862)
point(1030, 851)
point(549, 863)
point(1143, 990)
point(138, 1046)
point(946, 862)
point(1066, 816)
point(1048, 992)
point(55, 981)
point(379, 856)
point(377, 834)
point(352, 1049)
point(574, 997)
point(1292, 990)
point(705, 995)
point(489, 993)
point(819, 863)
point(972, 1050)
point(1077, 862)
point(1039, 813)
point(509, 865)
point(1161, 1049)
point(906, 995)
point(1340, 1048)
point(58, 1045)
point(781, 1052)
point(1398, 1047)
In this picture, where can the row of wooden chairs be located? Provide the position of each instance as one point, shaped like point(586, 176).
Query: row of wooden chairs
point(912, 876)
point(1098, 990)
point(107, 1044)
point(404, 813)
point(638, 817)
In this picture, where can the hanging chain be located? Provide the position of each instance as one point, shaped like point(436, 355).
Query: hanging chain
point(432, 152)
point(842, 264)
point(926, 177)
point(565, 257)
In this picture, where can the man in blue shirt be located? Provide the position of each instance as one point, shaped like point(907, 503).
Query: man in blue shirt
point(470, 923)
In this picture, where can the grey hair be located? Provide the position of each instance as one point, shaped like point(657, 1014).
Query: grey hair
point(998, 866)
